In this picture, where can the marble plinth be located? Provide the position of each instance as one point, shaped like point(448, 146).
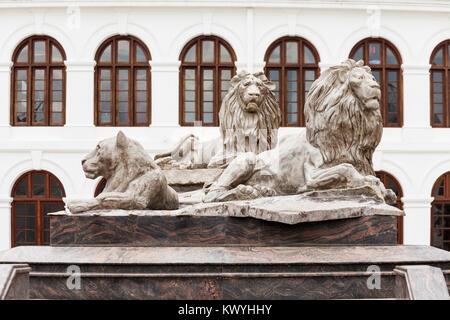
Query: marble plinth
point(284, 220)
point(244, 272)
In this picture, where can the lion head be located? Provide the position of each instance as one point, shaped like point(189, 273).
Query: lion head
point(343, 118)
point(249, 116)
point(116, 155)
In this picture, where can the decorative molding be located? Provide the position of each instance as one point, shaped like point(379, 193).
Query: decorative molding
point(6, 202)
point(39, 17)
point(122, 21)
point(206, 22)
point(411, 69)
point(5, 66)
point(80, 66)
point(292, 23)
point(159, 66)
point(417, 203)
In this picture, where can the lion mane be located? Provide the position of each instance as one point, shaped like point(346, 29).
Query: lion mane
point(243, 131)
point(337, 122)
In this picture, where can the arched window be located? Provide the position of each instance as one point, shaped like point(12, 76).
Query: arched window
point(385, 61)
point(391, 183)
point(207, 66)
point(440, 85)
point(292, 63)
point(38, 83)
point(440, 213)
point(100, 187)
point(122, 83)
point(35, 194)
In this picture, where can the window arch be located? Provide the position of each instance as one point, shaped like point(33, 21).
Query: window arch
point(440, 213)
point(38, 83)
point(385, 61)
point(440, 85)
point(292, 63)
point(391, 183)
point(35, 194)
point(207, 66)
point(122, 83)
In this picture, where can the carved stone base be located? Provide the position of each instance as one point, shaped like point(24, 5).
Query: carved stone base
point(319, 272)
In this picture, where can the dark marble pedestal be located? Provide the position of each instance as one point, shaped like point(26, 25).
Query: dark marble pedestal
point(244, 272)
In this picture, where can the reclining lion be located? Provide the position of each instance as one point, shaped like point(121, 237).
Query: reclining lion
point(134, 181)
point(343, 128)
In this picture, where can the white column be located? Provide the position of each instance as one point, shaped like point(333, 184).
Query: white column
point(80, 93)
point(165, 93)
point(5, 93)
point(5, 223)
point(416, 223)
point(416, 96)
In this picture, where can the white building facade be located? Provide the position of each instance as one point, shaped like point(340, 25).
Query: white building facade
point(416, 153)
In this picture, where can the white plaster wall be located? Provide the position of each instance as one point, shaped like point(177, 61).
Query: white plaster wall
point(415, 154)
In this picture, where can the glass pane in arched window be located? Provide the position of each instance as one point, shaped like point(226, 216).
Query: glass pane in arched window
point(38, 95)
point(206, 70)
point(122, 77)
point(292, 65)
point(440, 213)
point(35, 194)
point(439, 85)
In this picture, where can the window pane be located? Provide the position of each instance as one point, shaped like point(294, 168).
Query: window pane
point(123, 51)
point(22, 187)
point(105, 117)
point(226, 74)
point(141, 117)
point(141, 74)
point(140, 55)
point(439, 57)
point(56, 54)
point(38, 180)
point(106, 55)
point(21, 74)
point(358, 54)
point(208, 51)
point(224, 54)
point(292, 118)
point(57, 106)
point(374, 53)
point(390, 57)
point(310, 75)
point(291, 52)
point(275, 55)
point(208, 117)
point(23, 55)
point(292, 75)
point(308, 55)
point(438, 118)
point(105, 74)
point(39, 51)
point(191, 54)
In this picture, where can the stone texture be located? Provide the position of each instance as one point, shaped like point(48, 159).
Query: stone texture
point(335, 152)
point(191, 176)
point(423, 283)
point(14, 281)
point(244, 272)
point(134, 181)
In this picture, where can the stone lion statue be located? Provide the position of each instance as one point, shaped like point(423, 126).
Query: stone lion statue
point(343, 128)
point(134, 181)
point(249, 120)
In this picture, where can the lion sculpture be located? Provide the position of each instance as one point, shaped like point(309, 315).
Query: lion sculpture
point(343, 128)
point(133, 180)
point(249, 120)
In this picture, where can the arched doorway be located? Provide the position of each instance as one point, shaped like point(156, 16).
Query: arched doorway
point(391, 183)
point(35, 194)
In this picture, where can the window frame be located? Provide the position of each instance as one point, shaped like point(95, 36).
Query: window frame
point(114, 65)
point(198, 65)
point(383, 68)
point(38, 201)
point(445, 69)
point(300, 67)
point(30, 66)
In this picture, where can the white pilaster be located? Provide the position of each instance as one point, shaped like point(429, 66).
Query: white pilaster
point(80, 93)
point(165, 93)
point(5, 95)
point(5, 223)
point(416, 223)
point(416, 103)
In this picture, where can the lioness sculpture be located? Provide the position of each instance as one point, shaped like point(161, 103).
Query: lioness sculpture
point(134, 181)
point(343, 128)
point(249, 120)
